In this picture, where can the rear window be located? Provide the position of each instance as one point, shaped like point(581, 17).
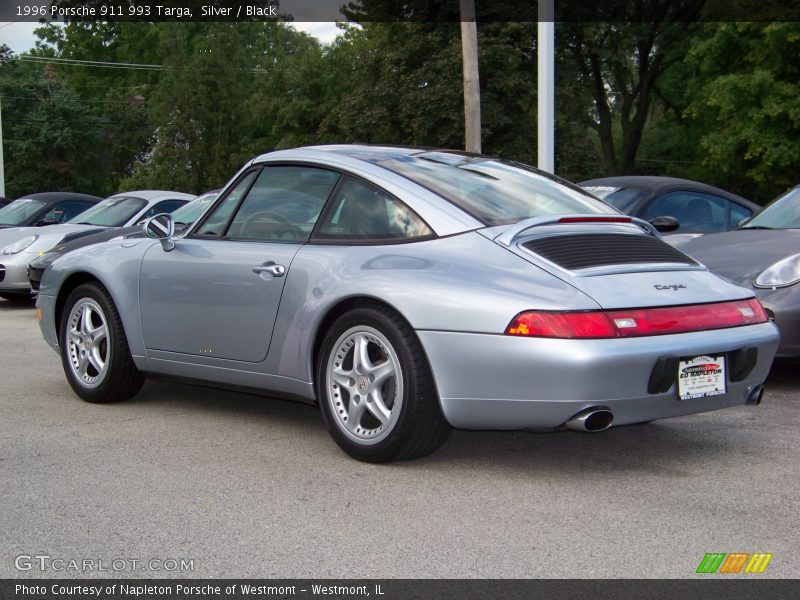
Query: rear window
point(494, 191)
point(111, 212)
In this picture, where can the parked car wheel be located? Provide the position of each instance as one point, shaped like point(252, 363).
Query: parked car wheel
point(375, 388)
point(94, 351)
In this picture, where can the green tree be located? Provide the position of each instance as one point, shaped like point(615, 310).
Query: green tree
point(50, 138)
point(619, 68)
point(117, 91)
point(744, 102)
point(293, 92)
point(401, 83)
point(201, 134)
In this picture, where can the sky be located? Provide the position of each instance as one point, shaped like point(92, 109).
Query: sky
point(19, 36)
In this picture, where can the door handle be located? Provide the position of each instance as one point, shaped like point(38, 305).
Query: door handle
point(270, 268)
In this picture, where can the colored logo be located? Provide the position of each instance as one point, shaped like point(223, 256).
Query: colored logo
point(735, 562)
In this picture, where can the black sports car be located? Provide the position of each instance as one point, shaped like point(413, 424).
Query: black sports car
point(47, 208)
point(698, 208)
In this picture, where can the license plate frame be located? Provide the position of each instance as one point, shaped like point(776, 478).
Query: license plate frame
point(702, 376)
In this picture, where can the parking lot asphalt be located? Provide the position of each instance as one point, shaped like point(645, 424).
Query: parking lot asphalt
point(246, 486)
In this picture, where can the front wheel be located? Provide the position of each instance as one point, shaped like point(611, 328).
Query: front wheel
point(94, 351)
point(375, 389)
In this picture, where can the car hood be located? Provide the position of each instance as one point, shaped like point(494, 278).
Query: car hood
point(742, 254)
point(80, 239)
point(48, 236)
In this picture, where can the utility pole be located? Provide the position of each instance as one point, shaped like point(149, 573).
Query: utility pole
point(472, 90)
point(545, 43)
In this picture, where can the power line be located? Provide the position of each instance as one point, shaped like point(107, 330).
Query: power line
point(84, 86)
point(96, 123)
point(74, 62)
point(82, 101)
point(89, 63)
point(10, 23)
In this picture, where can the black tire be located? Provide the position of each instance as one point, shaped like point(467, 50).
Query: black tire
point(120, 379)
point(419, 427)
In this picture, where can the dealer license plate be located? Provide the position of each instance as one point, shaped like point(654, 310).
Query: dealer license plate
point(701, 377)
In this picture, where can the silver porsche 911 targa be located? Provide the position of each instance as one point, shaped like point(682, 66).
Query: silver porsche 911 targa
point(408, 291)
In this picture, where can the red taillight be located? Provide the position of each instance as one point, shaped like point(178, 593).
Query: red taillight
point(594, 220)
point(681, 319)
point(637, 322)
point(562, 325)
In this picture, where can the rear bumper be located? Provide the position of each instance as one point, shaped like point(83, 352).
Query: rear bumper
point(502, 382)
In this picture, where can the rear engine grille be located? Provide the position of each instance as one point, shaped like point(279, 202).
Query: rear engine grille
point(601, 249)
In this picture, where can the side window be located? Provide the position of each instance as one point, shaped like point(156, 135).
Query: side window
point(696, 212)
point(738, 212)
point(363, 212)
point(165, 206)
point(283, 204)
point(64, 211)
point(218, 218)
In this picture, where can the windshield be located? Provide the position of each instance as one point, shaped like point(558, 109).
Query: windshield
point(188, 213)
point(783, 213)
point(20, 211)
point(111, 212)
point(494, 191)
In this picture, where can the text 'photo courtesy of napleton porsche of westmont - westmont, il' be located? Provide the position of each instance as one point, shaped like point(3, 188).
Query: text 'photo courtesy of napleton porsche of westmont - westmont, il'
point(422, 299)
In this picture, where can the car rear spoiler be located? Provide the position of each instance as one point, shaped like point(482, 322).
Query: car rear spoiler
point(508, 236)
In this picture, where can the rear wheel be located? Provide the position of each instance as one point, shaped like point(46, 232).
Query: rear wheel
point(94, 351)
point(375, 388)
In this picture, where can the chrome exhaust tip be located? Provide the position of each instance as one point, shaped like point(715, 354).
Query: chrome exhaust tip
point(756, 395)
point(597, 418)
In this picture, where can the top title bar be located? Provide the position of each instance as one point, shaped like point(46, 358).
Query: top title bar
point(486, 11)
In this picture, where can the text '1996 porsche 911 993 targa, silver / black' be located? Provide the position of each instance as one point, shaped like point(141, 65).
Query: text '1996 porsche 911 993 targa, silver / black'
point(407, 291)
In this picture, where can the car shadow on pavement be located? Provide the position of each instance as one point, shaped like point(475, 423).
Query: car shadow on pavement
point(673, 446)
point(16, 305)
point(193, 397)
point(784, 373)
point(655, 448)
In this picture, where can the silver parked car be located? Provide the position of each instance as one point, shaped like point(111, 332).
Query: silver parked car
point(406, 292)
point(20, 245)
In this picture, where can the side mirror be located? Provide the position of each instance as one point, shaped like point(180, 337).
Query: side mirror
point(161, 227)
point(665, 224)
